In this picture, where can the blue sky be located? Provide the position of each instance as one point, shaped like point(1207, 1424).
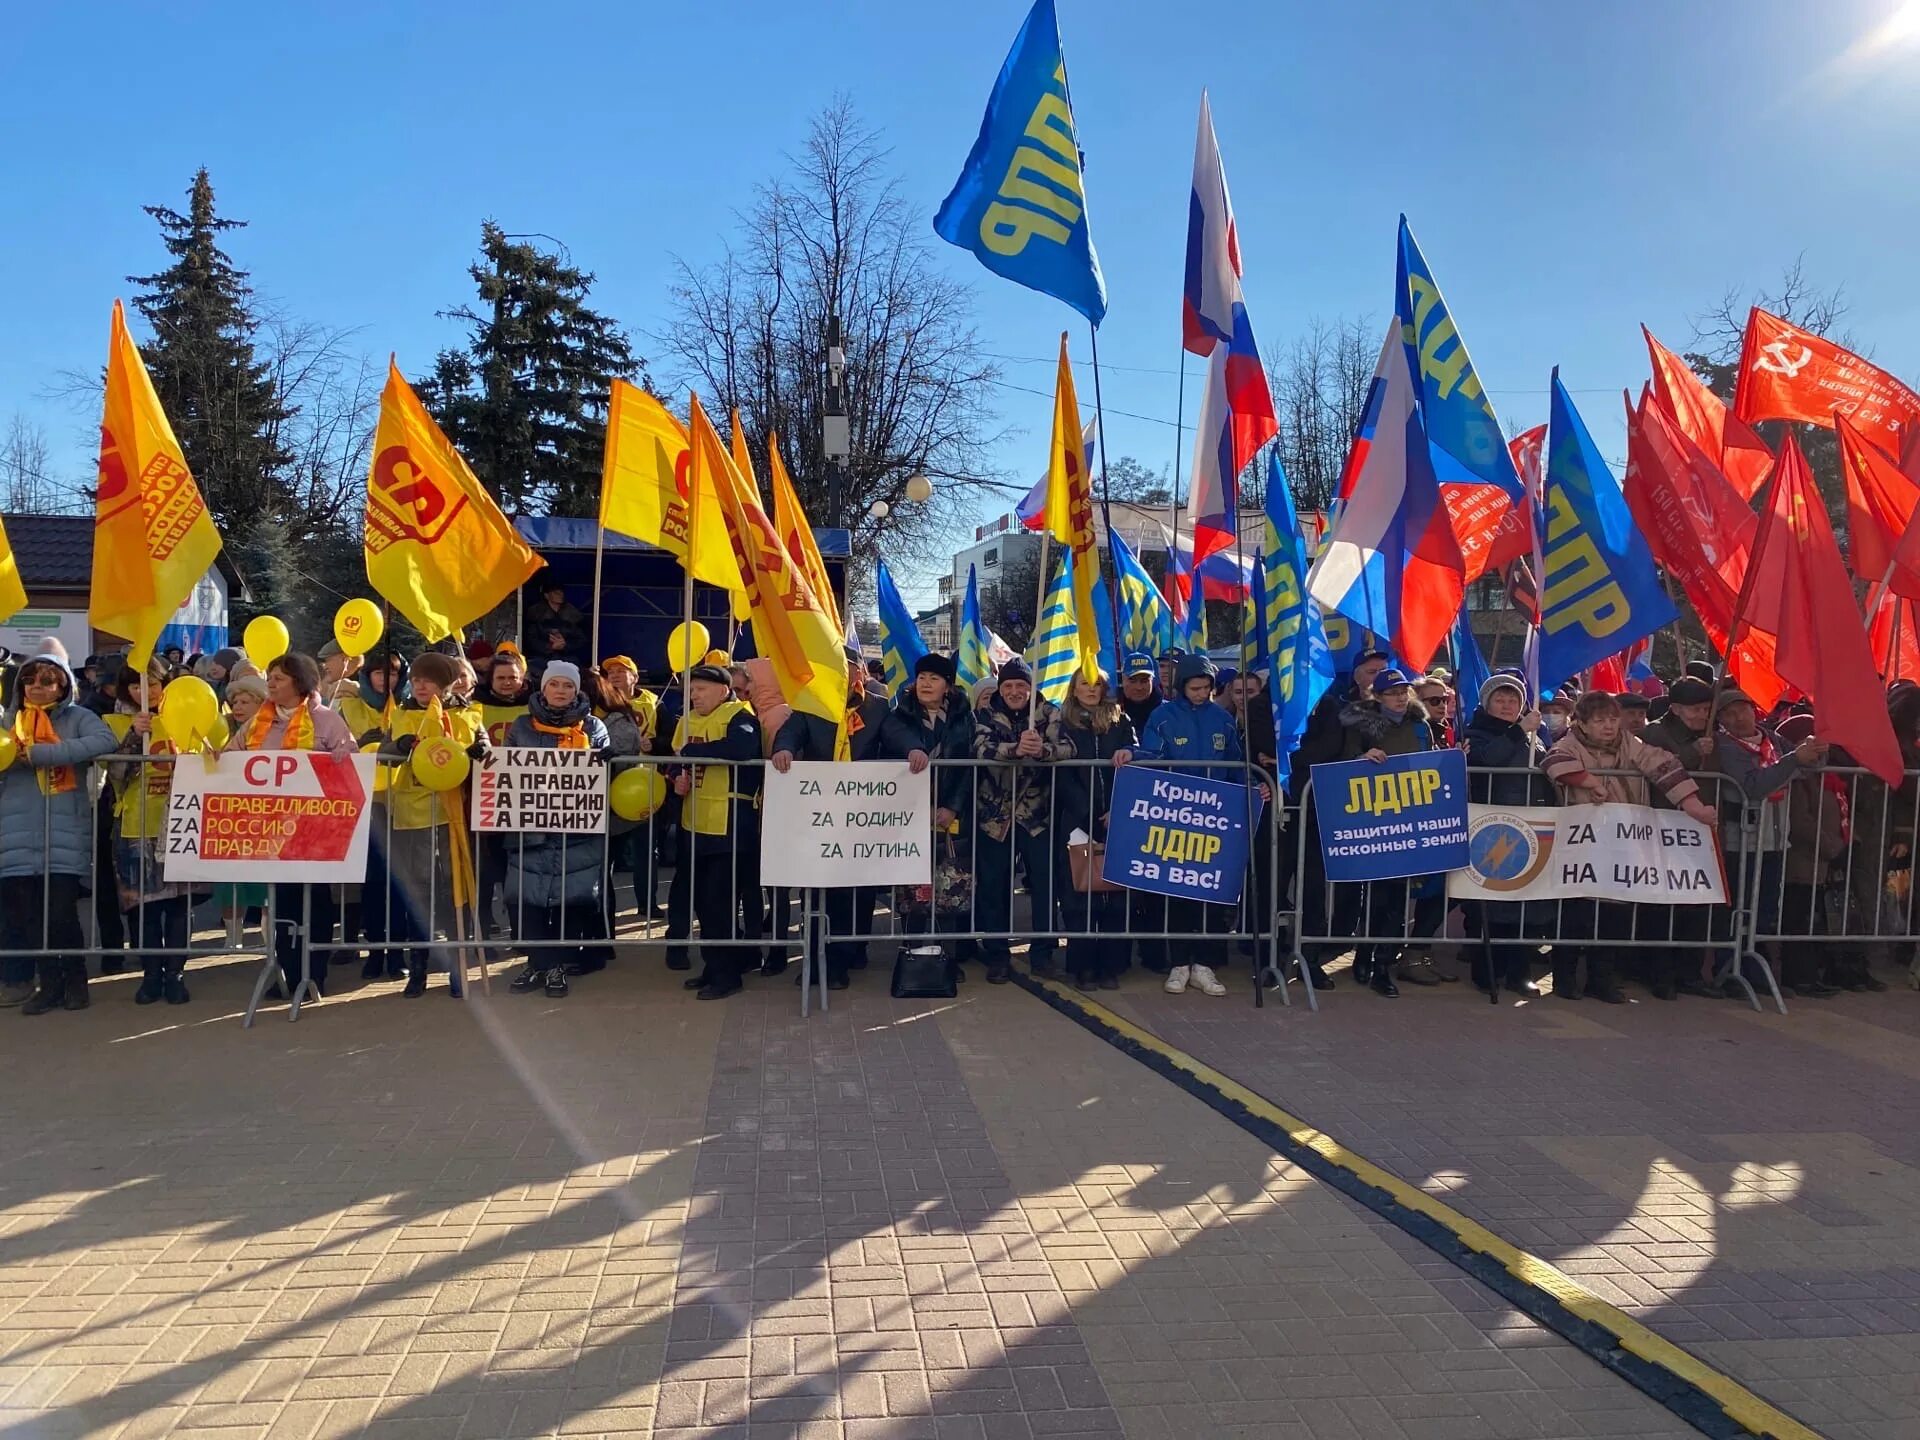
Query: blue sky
point(1570, 170)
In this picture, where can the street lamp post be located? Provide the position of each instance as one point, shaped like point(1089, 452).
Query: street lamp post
point(835, 432)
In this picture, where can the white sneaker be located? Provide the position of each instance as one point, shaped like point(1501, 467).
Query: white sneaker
point(1177, 980)
point(1206, 981)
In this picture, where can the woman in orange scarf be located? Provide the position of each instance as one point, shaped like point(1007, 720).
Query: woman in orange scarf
point(294, 719)
point(46, 836)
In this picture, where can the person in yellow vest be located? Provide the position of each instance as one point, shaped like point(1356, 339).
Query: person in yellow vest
point(380, 684)
point(418, 854)
point(245, 696)
point(502, 695)
point(719, 830)
point(160, 913)
point(630, 714)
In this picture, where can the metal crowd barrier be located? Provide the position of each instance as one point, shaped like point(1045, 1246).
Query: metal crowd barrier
point(1842, 881)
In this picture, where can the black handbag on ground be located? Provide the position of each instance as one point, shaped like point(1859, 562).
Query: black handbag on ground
point(925, 972)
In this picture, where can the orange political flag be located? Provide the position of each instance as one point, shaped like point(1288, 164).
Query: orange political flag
point(1798, 591)
point(13, 594)
point(153, 539)
point(644, 490)
point(795, 530)
point(437, 546)
point(1880, 509)
point(1743, 457)
point(1787, 373)
point(793, 630)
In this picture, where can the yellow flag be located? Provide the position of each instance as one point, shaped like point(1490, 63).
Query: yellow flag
point(645, 494)
point(791, 521)
point(437, 546)
point(13, 594)
point(793, 630)
point(153, 539)
point(1069, 512)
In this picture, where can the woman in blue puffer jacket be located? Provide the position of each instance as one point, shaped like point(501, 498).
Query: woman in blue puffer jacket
point(46, 836)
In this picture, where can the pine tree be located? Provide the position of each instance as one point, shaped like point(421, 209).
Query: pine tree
point(219, 395)
point(525, 400)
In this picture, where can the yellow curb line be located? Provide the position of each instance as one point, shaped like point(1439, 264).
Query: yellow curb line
point(1740, 1403)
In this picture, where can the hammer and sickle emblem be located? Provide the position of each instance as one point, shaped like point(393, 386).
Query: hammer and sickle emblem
point(1782, 358)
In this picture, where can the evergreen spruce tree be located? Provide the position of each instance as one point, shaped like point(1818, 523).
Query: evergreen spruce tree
point(525, 400)
point(220, 397)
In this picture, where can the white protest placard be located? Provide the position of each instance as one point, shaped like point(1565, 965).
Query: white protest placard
point(293, 816)
point(829, 825)
point(1630, 853)
point(527, 788)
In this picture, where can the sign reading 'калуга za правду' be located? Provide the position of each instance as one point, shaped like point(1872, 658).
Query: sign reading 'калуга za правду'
point(526, 788)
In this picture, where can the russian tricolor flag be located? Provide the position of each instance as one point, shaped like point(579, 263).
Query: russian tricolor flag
point(1429, 480)
point(1236, 408)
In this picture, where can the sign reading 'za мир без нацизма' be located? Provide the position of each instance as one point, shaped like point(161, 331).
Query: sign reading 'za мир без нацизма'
point(1630, 853)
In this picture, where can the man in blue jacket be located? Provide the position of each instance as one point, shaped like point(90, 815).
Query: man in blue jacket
point(1190, 727)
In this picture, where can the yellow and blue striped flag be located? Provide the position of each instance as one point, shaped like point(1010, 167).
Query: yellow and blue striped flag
point(1146, 624)
point(973, 662)
point(1055, 651)
point(900, 644)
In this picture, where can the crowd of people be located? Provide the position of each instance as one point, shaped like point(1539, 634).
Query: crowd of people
point(1825, 849)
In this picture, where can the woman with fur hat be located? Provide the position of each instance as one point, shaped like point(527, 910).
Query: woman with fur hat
point(46, 836)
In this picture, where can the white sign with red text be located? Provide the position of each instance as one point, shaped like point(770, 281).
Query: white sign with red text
point(293, 816)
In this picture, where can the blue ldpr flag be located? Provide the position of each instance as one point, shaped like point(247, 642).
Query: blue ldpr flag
point(900, 644)
point(1470, 672)
point(1146, 624)
point(972, 661)
point(1600, 592)
point(1290, 628)
point(1019, 204)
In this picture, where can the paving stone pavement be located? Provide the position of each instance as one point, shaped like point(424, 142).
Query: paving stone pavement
point(1745, 1184)
point(628, 1213)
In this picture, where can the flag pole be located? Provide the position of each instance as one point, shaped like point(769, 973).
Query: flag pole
point(1173, 495)
point(1033, 632)
point(599, 558)
point(1106, 502)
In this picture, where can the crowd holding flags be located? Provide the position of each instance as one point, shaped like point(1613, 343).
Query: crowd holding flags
point(1432, 497)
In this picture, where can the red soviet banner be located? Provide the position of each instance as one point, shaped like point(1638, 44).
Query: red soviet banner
point(1787, 373)
point(298, 816)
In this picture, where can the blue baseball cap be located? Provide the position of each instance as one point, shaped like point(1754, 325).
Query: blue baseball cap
point(1389, 680)
point(1139, 663)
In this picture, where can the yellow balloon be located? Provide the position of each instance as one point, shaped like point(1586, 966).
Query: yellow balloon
point(439, 764)
point(265, 641)
point(9, 749)
point(357, 626)
point(191, 709)
point(688, 642)
point(380, 780)
point(637, 793)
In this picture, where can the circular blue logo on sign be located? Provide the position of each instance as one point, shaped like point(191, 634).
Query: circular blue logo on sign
point(1507, 851)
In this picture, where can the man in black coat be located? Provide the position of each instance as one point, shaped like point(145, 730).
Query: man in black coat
point(1686, 733)
point(874, 732)
point(1139, 689)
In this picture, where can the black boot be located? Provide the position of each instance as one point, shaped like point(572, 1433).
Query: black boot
point(1382, 981)
point(176, 983)
point(49, 988)
point(531, 978)
point(152, 984)
point(416, 981)
point(74, 992)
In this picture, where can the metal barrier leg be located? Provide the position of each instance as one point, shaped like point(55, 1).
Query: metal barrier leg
point(269, 968)
point(306, 955)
